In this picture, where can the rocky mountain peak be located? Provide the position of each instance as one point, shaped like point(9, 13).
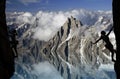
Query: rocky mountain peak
point(69, 27)
point(73, 22)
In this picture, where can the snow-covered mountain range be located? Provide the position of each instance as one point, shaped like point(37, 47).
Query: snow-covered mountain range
point(58, 45)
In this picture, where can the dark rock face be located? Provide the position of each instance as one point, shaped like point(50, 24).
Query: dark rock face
point(116, 19)
point(6, 57)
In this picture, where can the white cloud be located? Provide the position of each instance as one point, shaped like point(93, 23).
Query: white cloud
point(25, 18)
point(48, 24)
point(45, 70)
point(29, 1)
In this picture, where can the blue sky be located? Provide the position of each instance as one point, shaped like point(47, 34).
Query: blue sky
point(57, 5)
